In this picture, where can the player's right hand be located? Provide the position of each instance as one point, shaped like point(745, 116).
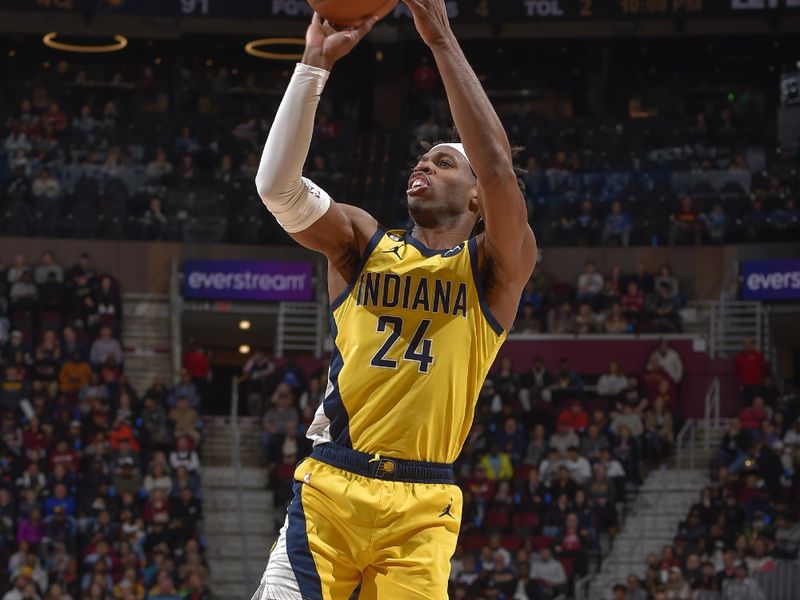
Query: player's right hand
point(325, 45)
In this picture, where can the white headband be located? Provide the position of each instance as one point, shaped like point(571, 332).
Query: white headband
point(457, 147)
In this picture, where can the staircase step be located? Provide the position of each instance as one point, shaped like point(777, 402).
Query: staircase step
point(220, 525)
point(252, 500)
point(225, 477)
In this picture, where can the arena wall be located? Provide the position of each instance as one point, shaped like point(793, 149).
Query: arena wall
point(145, 266)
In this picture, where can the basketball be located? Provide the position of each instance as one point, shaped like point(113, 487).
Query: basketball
point(351, 12)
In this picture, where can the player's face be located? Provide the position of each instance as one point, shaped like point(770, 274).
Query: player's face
point(441, 187)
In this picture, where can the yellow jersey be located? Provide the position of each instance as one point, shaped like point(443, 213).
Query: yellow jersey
point(413, 341)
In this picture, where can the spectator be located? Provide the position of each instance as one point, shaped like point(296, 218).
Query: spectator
point(563, 438)
point(670, 360)
point(186, 388)
point(45, 186)
point(617, 226)
point(277, 418)
point(578, 466)
point(658, 429)
point(751, 368)
point(687, 227)
point(104, 347)
point(593, 443)
point(587, 321)
point(48, 266)
point(561, 319)
point(185, 418)
point(159, 168)
point(751, 417)
point(734, 447)
point(616, 321)
point(573, 418)
point(633, 302)
point(23, 292)
point(154, 222)
point(257, 372)
point(590, 283)
point(664, 309)
point(627, 418)
point(527, 322)
point(548, 573)
point(196, 364)
point(511, 440)
point(716, 223)
point(613, 382)
point(676, 586)
point(497, 464)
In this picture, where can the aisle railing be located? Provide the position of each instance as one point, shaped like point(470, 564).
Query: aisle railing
point(236, 463)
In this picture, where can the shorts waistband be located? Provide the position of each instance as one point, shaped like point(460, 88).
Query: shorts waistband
point(378, 467)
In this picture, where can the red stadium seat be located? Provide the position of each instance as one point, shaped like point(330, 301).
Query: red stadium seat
point(569, 565)
point(496, 520)
point(521, 472)
point(511, 542)
point(526, 522)
point(475, 542)
point(541, 541)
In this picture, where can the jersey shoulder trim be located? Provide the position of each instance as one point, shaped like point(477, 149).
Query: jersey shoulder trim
point(371, 245)
point(429, 252)
point(476, 277)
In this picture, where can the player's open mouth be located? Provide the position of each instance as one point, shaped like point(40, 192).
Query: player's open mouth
point(418, 184)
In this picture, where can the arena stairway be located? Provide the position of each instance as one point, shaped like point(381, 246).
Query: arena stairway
point(146, 337)
point(662, 503)
point(230, 538)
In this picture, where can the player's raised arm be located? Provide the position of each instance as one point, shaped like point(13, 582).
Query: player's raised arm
point(509, 239)
point(301, 207)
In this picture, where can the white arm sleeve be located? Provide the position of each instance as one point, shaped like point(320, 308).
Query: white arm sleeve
point(296, 202)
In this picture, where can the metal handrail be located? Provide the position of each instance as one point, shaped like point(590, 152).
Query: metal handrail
point(712, 407)
point(688, 430)
point(236, 463)
point(582, 587)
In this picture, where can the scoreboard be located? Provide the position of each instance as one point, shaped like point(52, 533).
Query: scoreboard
point(497, 11)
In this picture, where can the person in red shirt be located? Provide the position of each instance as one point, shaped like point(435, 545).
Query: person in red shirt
point(752, 416)
point(632, 302)
point(686, 224)
point(751, 368)
point(34, 438)
point(196, 362)
point(574, 417)
point(55, 119)
point(655, 376)
point(64, 455)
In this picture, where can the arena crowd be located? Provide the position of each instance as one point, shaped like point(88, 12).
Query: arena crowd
point(100, 494)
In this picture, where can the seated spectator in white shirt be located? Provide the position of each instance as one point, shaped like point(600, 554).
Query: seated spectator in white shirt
point(46, 186)
point(548, 572)
point(48, 265)
point(613, 382)
point(590, 283)
point(579, 467)
point(105, 346)
point(629, 418)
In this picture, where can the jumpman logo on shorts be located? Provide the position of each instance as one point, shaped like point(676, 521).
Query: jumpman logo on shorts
point(446, 511)
point(395, 251)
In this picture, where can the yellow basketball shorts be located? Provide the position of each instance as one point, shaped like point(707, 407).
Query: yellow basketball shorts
point(389, 525)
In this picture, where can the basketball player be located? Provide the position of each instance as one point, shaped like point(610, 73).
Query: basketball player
point(417, 318)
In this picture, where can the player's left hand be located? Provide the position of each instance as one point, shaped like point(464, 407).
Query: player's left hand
point(430, 19)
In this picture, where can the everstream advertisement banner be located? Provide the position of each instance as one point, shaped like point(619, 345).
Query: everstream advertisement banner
point(263, 281)
point(771, 279)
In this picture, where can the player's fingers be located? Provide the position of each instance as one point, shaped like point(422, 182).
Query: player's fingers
point(366, 26)
point(316, 19)
point(414, 5)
